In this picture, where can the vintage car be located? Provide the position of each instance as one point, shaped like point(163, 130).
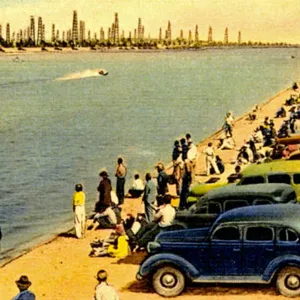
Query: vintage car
point(205, 211)
point(255, 244)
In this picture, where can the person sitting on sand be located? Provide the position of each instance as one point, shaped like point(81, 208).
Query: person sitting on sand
point(137, 188)
point(23, 284)
point(234, 177)
point(79, 211)
point(280, 113)
point(163, 218)
point(227, 143)
point(103, 290)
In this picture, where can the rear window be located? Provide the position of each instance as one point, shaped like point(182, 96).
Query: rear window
point(279, 178)
point(259, 233)
point(252, 180)
point(288, 235)
point(231, 204)
point(296, 178)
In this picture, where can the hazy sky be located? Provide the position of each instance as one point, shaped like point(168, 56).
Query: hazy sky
point(258, 20)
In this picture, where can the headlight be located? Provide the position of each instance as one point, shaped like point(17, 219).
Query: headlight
point(153, 247)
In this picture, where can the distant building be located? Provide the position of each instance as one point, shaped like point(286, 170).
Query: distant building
point(75, 27)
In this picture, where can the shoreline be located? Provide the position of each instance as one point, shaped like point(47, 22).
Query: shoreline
point(65, 257)
point(13, 51)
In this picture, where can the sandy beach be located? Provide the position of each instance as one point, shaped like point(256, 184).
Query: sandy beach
point(62, 269)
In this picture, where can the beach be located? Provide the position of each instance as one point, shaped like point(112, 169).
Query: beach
point(62, 269)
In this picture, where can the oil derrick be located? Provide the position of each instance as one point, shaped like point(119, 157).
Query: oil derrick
point(8, 33)
point(57, 35)
point(0, 31)
point(143, 32)
point(43, 33)
point(112, 37)
point(116, 30)
point(190, 37)
point(140, 32)
point(63, 36)
point(75, 27)
point(102, 35)
point(18, 37)
point(181, 35)
point(129, 35)
point(196, 34)
point(122, 35)
point(40, 30)
point(239, 38)
point(109, 34)
point(210, 37)
point(21, 35)
point(53, 33)
point(32, 29)
point(160, 35)
point(169, 32)
point(69, 35)
point(89, 36)
point(81, 31)
point(226, 36)
point(135, 35)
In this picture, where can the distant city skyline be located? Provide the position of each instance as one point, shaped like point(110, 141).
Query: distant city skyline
point(258, 20)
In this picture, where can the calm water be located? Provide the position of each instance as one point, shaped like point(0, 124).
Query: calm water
point(55, 134)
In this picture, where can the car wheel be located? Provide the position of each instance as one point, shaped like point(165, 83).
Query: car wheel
point(288, 282)
point(168, 282)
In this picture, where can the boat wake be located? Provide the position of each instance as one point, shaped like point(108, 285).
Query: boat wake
point(84, 74)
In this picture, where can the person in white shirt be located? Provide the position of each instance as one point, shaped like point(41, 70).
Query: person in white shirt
point(210, 159)
point(137, 187)
point(192, 157)
point(163, 218)
point(104, 291)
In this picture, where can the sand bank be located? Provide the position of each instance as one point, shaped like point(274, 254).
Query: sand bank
point(63, 270)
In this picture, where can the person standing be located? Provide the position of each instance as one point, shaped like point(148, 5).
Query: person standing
point(121, 173)
point(79, 211)
point(23, 284)
point(162, 181)
point(104, 291)
point(176, 158)
point(192, 157)
point(228, 124)
point(210, 159)
point(186, 182)
point(149, 197)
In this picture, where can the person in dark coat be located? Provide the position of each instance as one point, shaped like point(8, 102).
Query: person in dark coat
point(104, 190)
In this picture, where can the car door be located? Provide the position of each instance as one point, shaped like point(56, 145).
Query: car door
point(258, 248)
point(226, 251)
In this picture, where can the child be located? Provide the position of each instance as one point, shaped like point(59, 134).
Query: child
point(79, 211)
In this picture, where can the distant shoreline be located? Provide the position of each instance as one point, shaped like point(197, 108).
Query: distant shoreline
point(67, 50)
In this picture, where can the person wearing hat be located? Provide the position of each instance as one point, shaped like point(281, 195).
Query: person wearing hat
point(104, 291)
point(79, 210)
point(23, 284)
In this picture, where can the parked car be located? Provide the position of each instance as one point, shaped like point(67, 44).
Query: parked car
point(256, 244)
point(213, 203)
point(278, 171)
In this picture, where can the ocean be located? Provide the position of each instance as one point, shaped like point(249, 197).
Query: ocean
point(56, 133)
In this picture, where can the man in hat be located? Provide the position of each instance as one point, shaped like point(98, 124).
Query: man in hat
point(23, 284)
point(103, 290)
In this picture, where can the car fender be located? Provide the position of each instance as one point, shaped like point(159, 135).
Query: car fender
point(177, 225)
point(158, 260)
point(279, 263)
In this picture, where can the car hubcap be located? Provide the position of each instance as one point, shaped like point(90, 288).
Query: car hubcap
point(168, 280)
point(293, 282)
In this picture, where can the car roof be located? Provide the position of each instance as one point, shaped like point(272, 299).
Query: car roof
point(280, 166)
point(274, 190)
point(283, 214)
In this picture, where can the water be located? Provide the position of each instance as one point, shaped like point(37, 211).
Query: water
point(55, 134)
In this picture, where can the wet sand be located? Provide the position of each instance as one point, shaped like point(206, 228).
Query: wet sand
point(62, 269)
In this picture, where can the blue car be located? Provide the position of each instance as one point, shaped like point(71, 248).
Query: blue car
point(255, 244)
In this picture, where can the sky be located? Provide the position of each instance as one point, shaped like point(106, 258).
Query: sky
point(258, 20)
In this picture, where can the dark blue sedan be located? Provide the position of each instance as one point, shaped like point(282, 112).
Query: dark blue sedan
point(246, 245)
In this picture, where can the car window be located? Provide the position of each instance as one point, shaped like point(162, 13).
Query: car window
point(214, 208)
point(296, 178)
point(231, 204)
point(259, 233)
point(287, 235)
point(279, 178)
point(252, 180)
point(262, 202)
point(227, 233)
